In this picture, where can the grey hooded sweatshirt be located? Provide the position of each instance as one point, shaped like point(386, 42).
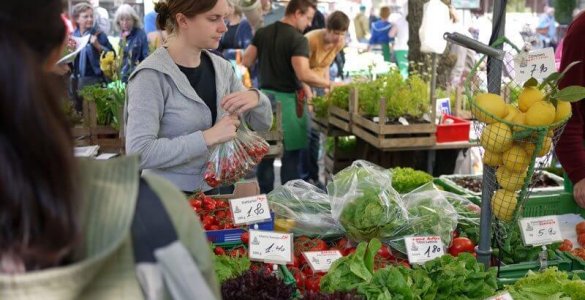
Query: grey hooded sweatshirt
point(165, 118)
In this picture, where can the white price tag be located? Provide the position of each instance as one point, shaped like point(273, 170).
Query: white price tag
point(423, 248)
point(250, 210)
point(271, 247)
point(538, 64)
point(540, 231)
point(503, 296)
point(321, 261)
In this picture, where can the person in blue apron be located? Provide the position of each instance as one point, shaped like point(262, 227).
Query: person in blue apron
point(86, 67)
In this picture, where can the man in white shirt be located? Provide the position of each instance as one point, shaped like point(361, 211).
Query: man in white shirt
point(101, 17)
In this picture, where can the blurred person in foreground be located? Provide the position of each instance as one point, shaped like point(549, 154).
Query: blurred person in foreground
point(80, 229)
point(570, 148)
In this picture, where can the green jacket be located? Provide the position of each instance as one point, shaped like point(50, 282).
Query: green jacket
point(105, 268)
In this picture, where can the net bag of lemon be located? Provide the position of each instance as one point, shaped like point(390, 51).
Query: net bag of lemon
point(517, 128)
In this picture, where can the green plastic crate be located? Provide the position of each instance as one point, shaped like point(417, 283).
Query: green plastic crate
point(558, 204)
point(511, 273)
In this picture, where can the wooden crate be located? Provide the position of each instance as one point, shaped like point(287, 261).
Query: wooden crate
point(460, 105)
point(275, 136)
point(81, 136)
point(389, 137)
point(108, 138)
point(341, 118)
point(339, 160)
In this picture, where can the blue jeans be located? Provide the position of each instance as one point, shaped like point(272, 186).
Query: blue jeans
point(288, 171)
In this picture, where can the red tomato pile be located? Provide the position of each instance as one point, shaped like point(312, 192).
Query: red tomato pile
point(213, 213)
point(567, 245)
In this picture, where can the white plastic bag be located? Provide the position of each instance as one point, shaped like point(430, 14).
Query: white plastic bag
point(435, 23)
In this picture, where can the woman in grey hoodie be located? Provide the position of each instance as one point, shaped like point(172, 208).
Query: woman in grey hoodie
point(183, 100)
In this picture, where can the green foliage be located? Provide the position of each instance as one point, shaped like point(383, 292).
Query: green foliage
point(405, 180)
point(227, 267)
point(549, 284)
point(513, 250)
point(109, 102)
point(564, 10)
point(339, 96)
point(320, 106)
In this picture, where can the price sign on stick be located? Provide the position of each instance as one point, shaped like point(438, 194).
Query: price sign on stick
point(423, 248)
point(250, 210)
point(271, 247)
point(540, 231)
point(538, 64)
point(321, 261)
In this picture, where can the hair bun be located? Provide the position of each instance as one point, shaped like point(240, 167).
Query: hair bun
point(163, 11)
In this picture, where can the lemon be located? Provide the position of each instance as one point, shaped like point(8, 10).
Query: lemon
point(563, 111)
point(513, 111)
point(504, 204)
point(492, 159)
point(515, 159)
point(496, 137)
point(528, 97)
point(541, 113)
point(544, 150)
point(492, 104)
point(519, 119)
point(508, 180)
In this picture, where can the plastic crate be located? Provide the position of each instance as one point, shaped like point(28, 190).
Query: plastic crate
point(233, 236)
point(545, 205)
point(509, 274)
point(452, 129)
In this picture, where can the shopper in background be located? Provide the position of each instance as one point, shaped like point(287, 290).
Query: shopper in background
point(86, 67)
point(71, 229)
point(547, 28)
point(400, 45)
point(570, 148)
point(183, 100)
point(362, 25)
point(101, 17)
point(239, 33)
point(133, 42)
point(381, 33)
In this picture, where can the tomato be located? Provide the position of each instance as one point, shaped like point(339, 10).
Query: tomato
point(385, 252)
point(312, 283)
point(580, 228)
point(196, 203)
point(220, 214)
point(238, 252)
point(295, 262)
point(207, 221)
point(342, 244)
point(455, 234)
point(566, 245)
point(221, 203)
point(461, 244)
point(219, 250)
point(318, 245)
point(581, 239)
point(348, 251)
point(299, 277)
point(245, 237)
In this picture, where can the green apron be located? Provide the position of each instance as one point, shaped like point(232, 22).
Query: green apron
point(294, 128)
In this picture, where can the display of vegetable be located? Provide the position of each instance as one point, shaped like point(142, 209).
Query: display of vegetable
point(549, 284)
point(252, 285)
point(405, 180)
point(227, 267)
point(214, 214)
point(513, 251)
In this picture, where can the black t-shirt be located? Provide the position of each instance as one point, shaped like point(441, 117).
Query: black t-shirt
point(202, 79)
point(277, 44)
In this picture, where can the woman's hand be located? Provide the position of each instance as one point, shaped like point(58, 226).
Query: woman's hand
point(240, 102)
point(222, 131)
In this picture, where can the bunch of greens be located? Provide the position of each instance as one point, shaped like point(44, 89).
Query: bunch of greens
point(339, 96)
point(549, 284)
point(227, 267)
point(109, 102)
point(348, 272)
point(398, 283)
point(460, 277)
point(320, 106)
point(405, 98)
point(369, 97)
point(512, 249)
point(405, 180)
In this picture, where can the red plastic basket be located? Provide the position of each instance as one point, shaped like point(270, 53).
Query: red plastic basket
point(453, 129)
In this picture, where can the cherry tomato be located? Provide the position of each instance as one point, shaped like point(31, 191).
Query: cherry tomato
point(299, 277)
point(245, 237)
point(461, 244)
point(385, 252)
point(196, 203)
point(295, 263)
point(318, 245)
point(566, 245)
point(580, 228)
point(220, 214)
point(238, 252)
point(214, 227)
point(219, 250)
point(312, 283)
point(581, 239)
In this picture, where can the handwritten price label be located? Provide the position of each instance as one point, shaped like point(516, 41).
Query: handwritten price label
point(540, 231)
point(423, 248)
point(250, 210)
point(504, 296)
point(271, 247)
point(321, 261)
point(538, 64)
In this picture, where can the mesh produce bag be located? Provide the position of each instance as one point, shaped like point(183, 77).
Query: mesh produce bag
point(365, 204)
point(232, 160)
point(303, 209)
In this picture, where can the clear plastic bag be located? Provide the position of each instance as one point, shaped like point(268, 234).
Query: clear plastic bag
point(365, 204)
point(303, 209)
point(232, 160)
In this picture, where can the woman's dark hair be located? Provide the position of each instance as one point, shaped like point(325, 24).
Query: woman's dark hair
point(337, 21)
point(38, 225)
point(168, 9)
point(302, 5)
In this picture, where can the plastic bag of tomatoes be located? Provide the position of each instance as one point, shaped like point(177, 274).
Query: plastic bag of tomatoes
point(232, 160)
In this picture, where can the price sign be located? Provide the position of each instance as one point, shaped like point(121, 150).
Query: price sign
point(423, 248)
point(250, 210)
point(538, 64)
point(271, 247)
point(540, 231)
point(321, 261)
point(503, 296)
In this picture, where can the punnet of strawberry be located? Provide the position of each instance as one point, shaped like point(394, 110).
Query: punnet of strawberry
point(232, 160)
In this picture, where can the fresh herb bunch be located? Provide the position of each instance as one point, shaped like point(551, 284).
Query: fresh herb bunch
point(109, 102)
point(256, 285)
point(339, 96)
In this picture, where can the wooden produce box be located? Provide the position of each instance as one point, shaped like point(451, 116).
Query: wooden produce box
point(275, 136)
point(341, 118)
point(108, 138)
